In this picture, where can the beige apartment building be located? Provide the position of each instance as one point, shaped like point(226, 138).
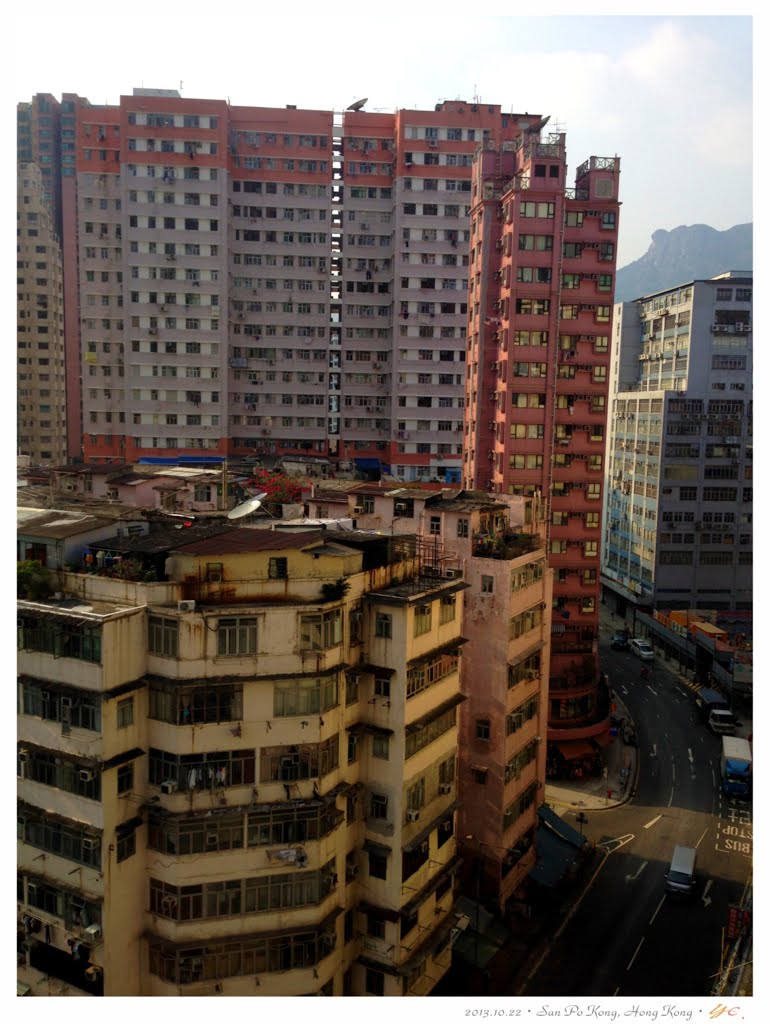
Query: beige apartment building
point(243, 780)
point(41, 415)
point(497, 543)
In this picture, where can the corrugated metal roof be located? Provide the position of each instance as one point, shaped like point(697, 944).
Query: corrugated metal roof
point(244, 539)
point(56, 523)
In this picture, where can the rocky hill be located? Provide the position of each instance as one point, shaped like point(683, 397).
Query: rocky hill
point(684, 254)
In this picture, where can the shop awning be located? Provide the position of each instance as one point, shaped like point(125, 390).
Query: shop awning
point(570, 750)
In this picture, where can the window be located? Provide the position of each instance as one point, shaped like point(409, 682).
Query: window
point(163, 636)
point(236, 636)
point(305, 696)
point(479, 776)
point(125, 713)
point(383, 625)
point(378, 864)
point(194, 704)
point(375, 982)
point(381, 747)
point(378, 806)
point(462, 527)
point(320, 630)
point(126, 844)
point(422, 619)
point(126, 778)
point(487, 584)
point(382, 686)
point(278, 569)
point(483, 730)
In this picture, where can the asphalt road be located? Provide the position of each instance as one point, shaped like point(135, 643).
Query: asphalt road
point(627, 937)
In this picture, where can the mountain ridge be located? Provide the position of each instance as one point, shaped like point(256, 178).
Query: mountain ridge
point(685, 253)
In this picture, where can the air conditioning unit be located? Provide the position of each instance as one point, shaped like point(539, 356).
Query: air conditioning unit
point(445, 787)
point(90, 844)
point(358, 510)
point(412, 815)
point(400, 506)
point(86, 775)
point(23, 756)
point(351, 871)
point(169, 786)
point(93, 932)
point(185, 606)
point(94, 972)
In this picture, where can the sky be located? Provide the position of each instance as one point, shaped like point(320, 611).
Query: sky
point(670, 95)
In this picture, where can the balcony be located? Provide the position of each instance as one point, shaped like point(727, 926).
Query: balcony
point(504, 546)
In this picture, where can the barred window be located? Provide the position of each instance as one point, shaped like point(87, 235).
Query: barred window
point(429, 732)
point(61, 639)
point(520, 760)
point(202, 771)
point(517, 718)
point(525, 622)
point(305, 761)
point(422, 676)
point(70, 840)
point(422, 619)
point(185, 965)
point(77, 708)
point(196, 703)
point(517, 807)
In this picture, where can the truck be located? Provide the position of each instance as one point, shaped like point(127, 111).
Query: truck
point(715, 711)
point(735, 766)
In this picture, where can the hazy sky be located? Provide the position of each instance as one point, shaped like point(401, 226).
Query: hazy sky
point(670, 95)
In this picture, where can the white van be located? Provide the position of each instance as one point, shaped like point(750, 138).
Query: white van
point(680, 877)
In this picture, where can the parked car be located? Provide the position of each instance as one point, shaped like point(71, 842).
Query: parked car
point(619, 642)
point(642, 649)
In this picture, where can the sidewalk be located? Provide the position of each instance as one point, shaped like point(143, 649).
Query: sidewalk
point(607, 790)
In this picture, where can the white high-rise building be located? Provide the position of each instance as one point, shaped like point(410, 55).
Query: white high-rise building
point(678, 513)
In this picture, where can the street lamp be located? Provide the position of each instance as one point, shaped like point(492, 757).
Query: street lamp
point(581, 819)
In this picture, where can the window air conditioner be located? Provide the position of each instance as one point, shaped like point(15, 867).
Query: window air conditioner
point(93, 932)
point(86, 775)
point(185, 606)
point(351, 871)
point(445, 787)
point(412, 815)
point(169, 786)
point(358, 510)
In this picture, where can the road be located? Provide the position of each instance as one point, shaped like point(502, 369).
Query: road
point(627, 937)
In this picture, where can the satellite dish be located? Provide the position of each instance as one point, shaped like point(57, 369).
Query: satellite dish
point(358, 104)
point(248, 506)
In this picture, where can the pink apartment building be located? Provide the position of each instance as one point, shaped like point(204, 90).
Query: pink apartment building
point(541, 288)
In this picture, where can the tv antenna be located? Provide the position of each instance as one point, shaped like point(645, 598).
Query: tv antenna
point(248, 506)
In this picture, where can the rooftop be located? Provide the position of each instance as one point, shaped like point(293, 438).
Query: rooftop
point(245, 539)
point(56, 524)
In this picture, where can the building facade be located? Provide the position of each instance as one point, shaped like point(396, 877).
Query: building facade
point(241, 781)
point(310, 335)
point(677, 531)
point(41, 398)
point(541, 284)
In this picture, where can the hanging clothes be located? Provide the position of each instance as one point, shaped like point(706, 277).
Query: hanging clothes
point(192, 779)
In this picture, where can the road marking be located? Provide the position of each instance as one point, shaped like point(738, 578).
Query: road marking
point(654, 692)
point(614, 844)
point(670, 799)
point(640, 869)
point(673, 772)
point(634, 956)
point(654, 750)
point(713, 778)
point(653, 821)
point(705, 897)
point(662, 901)
point(700, 841)
point(689, 755)
point(616, 991)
